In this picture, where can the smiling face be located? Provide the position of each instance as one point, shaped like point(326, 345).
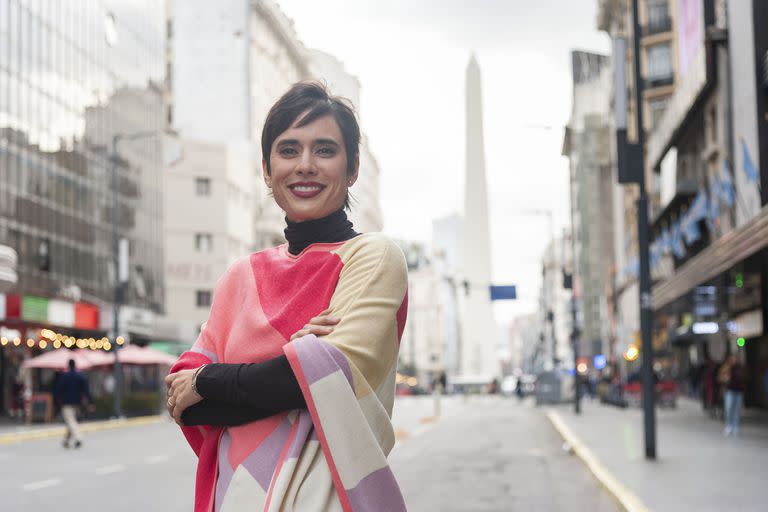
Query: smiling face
point(308, 170)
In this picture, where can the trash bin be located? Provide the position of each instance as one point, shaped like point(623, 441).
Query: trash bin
point(548, 388)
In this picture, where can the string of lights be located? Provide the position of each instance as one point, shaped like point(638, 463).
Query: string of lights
point(57, 340)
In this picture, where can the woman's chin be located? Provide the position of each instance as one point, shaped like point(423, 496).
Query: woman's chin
point(309, 213)
point(304, 215)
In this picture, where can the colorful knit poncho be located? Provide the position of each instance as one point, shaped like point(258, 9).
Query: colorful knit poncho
point(331, 457)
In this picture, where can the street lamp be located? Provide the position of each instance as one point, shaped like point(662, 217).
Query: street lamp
point(632, 170)
point(119, 261)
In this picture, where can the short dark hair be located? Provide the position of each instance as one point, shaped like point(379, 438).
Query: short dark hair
point(71, 364)
point(314, 99)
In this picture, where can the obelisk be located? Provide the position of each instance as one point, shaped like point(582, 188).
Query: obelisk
point(478, 351)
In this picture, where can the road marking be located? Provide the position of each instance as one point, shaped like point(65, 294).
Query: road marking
point(156, 459)
point(114, 468)
point(42, 484)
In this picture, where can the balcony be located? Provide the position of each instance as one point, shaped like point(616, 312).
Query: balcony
point(657, 26)
point(659, 81)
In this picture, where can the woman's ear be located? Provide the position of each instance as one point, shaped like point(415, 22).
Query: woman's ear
point(265, 172)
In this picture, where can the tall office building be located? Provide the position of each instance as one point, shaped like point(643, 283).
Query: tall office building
point(72, 76)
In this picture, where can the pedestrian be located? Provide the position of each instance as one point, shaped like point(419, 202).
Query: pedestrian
point(733, 381)
point(17, 399)
point(287, 394)
point(71, 392)
point(519, 388)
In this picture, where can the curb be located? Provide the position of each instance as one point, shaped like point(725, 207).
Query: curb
point(626, 498)
point(96, 426)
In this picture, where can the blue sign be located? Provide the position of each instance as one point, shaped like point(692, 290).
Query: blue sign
point(600, 362)
point(503, 292)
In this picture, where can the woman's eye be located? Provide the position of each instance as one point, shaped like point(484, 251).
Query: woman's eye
point(287, 152)
point(326, 151)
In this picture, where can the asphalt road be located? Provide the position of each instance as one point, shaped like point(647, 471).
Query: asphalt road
point(482, 455)
point(494, 455)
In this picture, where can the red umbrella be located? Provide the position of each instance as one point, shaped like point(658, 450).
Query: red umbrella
point(59, 360)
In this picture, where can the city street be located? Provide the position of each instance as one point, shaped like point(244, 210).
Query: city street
point(484, 454)
point(265, 205)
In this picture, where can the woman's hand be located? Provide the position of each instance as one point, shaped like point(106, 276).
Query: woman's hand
point(180, 393)
point(320, 325)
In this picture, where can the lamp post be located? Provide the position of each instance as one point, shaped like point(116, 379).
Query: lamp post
point(631, 169)
point(120, 262)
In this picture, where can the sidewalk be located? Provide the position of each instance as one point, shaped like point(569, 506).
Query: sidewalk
point(697, 468)
point(12, 432)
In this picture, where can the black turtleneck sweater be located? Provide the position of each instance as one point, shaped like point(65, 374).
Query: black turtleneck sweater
point(235, 394)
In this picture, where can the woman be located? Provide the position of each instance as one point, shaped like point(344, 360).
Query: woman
point(286, 397)
point(732, 378)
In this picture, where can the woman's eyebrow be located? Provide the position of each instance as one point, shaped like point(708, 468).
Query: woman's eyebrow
point(326, 141)
point(287, 142)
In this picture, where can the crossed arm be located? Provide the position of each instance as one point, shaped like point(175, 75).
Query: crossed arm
point(234, 394)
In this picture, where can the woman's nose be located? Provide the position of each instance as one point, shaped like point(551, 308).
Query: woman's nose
point(305, 164)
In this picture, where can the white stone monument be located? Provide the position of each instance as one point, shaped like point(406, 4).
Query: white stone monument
point(478, 351)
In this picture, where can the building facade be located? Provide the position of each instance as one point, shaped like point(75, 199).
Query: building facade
point(209, 229)
point(588, 147)
point(553, 349)
point(706, 155)
point(422, 348)
point(72, 78)
point(447, 236)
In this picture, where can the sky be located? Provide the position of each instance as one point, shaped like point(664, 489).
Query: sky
point(410, 57)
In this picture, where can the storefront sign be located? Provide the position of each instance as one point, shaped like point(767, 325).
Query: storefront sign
point(86, 316)
point(34, 309)
point(61, 313)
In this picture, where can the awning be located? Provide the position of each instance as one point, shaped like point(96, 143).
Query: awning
point(730, 249)
point(58, 359)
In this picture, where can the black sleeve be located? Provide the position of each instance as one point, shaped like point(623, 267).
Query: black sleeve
point(221, 415)
point(270, 385)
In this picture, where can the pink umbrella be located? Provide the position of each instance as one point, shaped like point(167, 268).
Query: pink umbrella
point(59, 360)
point(98, 357)
point(133, 354)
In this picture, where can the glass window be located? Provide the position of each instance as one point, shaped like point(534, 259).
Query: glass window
point(659, 61)
point(203, 242)
point(656, 109)
point(203, 186)
point(203, 298)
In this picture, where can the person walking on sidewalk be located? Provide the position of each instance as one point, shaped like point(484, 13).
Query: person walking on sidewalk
point(71, 391)
point(732, 377)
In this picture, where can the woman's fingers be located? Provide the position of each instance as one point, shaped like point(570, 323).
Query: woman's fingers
point(324, 320)
point(317, 330)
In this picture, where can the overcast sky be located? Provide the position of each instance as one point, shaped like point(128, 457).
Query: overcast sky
point(410, 57)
